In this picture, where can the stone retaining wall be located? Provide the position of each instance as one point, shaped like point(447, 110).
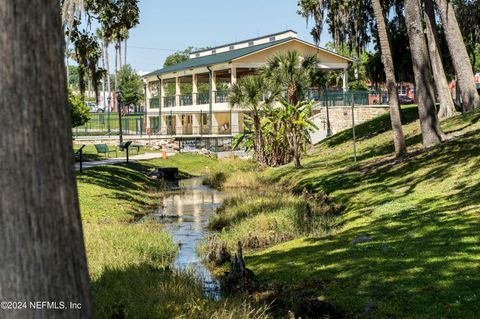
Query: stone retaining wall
point(341, 116)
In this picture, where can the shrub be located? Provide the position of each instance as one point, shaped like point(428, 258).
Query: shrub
point(78, 109)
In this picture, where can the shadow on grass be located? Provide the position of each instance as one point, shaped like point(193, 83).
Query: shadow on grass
point(421, 216)
point(405, 271)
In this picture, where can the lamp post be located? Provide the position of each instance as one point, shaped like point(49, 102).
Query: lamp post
point(108, 115)
point(119, 109)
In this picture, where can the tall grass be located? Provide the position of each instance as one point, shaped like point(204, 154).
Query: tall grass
point(158, 293)
point(234, 173)
point(263, 218)
point(129, 263)
point(118, 246)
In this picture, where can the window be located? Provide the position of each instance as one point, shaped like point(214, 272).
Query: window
point(272, 39)
point(197, 55)
point(232, 47)
point(251, 43)
point(214, 51)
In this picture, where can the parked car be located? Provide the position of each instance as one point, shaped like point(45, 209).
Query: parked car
point(403, 99)
point(95, 108)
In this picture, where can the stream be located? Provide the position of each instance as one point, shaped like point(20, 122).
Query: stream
point(185, 213)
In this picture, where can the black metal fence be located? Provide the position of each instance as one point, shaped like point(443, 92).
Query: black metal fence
point(107, 124)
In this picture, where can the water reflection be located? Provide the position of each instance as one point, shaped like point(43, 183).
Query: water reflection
point(185, 213)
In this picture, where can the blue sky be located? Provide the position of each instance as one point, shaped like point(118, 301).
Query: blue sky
point(167, 26)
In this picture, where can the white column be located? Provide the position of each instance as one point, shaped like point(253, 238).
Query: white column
point(214, 124)
point(345, 80)
point(234, 125)
point(177, 91)
point(148, 95)
point(179, 124)
point(147, 122)
point(163, 127)
point(214, 87)
point(233, 76)
point(194, 89)
point(162, 94)
point(196, 123)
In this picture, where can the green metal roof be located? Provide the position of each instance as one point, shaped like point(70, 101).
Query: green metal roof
point(216, 58)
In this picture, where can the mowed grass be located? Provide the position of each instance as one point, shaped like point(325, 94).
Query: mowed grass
point(90, 152)
point(405, 245)
point(420, 216)
point(188, 164)
point(129, 261)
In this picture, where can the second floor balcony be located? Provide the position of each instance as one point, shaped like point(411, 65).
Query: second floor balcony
point(169, 101)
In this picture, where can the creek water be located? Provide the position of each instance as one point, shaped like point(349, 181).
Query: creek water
point(185, 213)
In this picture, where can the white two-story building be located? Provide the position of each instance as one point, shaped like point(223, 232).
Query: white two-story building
point(203, 108)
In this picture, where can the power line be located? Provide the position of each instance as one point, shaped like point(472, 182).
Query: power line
point(155, 49)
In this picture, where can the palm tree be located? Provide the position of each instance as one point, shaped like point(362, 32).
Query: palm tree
point(292, 73)
point(69, 9)
point(447, 108)
point(460, 58)
point(387, 60)
point(431, 132)
point(43, 254)
point(249, 93)
point(340, 20)
point(128, 18)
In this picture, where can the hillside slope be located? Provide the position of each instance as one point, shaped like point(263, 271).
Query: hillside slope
point(408, 244)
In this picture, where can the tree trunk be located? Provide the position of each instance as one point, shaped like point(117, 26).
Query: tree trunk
point(104, 79)
point(120, 54)
point(423, 74)
point(43, 256)
point(258, 139)
point(387, 60)
point(107, 68)
point(125, 55)
point(297, 151)
point(114, 99)
point(67, 70)
point(81, 80)
point(447, 109)
point(460, 58)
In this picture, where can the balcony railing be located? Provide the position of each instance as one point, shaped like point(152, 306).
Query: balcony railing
point(222, 96)
point(154, 103)
point(186, 100)
point(169, 101)
point(203, 98)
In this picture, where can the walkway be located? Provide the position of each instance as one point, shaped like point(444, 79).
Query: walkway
point(112, 161)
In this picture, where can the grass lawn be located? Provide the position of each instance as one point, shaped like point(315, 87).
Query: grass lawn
point(90, 152)
point(418, 218)
point(129, 262)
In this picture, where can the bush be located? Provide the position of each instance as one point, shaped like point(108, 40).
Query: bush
point(78, 109)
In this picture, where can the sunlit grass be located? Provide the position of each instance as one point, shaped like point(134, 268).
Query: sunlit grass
point(420, 215)
point(130, 262)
